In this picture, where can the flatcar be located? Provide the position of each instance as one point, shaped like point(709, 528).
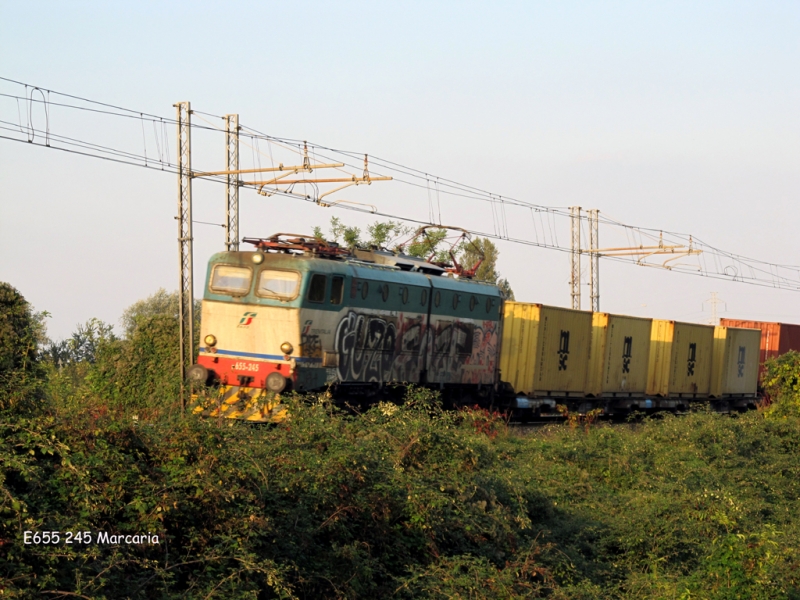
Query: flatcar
point(618, 363)
point(300, 314)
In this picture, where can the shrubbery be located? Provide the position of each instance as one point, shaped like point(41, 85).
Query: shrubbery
point(408, 501)
point(21, 334)
point(405, 502)
point(782, 384)
point(140, 372)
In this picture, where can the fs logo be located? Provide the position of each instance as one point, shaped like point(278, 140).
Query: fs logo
point(246, 319)
point(307, 328)
point(563, 350)
point(627, 345)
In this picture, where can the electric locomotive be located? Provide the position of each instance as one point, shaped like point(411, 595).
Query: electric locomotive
point(297, 313)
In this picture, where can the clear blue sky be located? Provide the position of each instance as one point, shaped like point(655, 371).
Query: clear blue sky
point(674, 115)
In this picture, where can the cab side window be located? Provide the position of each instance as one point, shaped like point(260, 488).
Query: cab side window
point(337, 290)
point(316, 290)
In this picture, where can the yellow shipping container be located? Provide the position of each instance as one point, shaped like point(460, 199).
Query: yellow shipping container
point(545, 350)
point(680, 359)
point(619, 356)
point(736, 356)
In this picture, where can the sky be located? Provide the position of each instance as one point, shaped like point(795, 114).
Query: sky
point(680, 116)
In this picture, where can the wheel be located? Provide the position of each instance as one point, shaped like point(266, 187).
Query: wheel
point(197, 374)
point(276, 382)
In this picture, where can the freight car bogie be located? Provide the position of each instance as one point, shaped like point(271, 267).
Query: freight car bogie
point(452, 396)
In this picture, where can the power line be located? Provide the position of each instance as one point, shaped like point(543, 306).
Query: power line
point(725, 265)
point(558, 211)
point(487, 234)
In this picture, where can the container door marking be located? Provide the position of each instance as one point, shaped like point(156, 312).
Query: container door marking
point(740, 362)
point(626, 354)
point(563, 350)
point(692, 360)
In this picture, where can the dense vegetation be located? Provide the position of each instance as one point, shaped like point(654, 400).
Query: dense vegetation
point(405, 502)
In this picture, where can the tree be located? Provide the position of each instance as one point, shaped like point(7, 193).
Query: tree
point(505, 287)
point(340, 234)
point(161, 303)
point(21, 335)
point(141, 370)
point(487, 271)
point(385, 234)
point(381, 234)
point(17, 338)
point(781, 381)
point(82, 345)
point(433, 245)
point(430, 246)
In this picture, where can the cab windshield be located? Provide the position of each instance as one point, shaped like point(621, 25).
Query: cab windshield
point(231, 280)
point(282, 285)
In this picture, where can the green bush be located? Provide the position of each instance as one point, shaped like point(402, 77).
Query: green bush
point(406, 502)
point(661, 500)
point(141, 372)
point(21, 332)
point(403, 501)
point(781, 383)
point(399, 501)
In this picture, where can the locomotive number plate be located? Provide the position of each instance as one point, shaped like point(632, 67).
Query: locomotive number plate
point(245, 366)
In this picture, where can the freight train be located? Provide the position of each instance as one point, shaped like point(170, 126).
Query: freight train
point(299, 314)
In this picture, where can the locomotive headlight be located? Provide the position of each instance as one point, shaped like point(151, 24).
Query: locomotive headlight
point(287, 348)
point(210, 340)
point(258, 258)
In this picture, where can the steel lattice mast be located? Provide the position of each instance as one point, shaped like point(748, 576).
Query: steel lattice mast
point(575, 256)
point(594, 259)
point(186, 287)
point(232, 192)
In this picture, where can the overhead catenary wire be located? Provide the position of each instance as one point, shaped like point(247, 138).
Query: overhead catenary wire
point(713, 262)
point(440, 182)
point(491, 235)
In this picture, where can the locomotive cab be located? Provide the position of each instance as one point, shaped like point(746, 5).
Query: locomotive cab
point(250, 328)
